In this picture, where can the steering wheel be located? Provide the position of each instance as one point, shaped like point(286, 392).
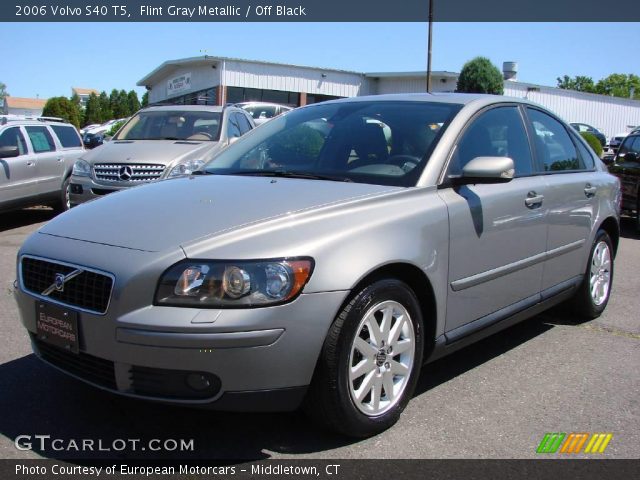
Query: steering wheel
point(405, 162)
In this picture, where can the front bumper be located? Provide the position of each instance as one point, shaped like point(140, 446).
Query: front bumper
point(258, 359)
point(83, 189)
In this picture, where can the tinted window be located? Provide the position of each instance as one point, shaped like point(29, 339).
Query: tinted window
point(68, 136)
point(554, 147)
point(41, 139)
point(171, 125)
point(586, 154)
point(12, 137)
point(498, 132)
point(630, 144)
point(242, 122)
point(233, 128)
point(383, 142)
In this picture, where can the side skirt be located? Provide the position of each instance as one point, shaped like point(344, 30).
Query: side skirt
point(493, 323)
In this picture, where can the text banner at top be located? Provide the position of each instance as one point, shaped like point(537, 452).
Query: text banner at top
point(318, 11)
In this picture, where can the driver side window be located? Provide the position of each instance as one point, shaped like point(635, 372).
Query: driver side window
point(498, 132)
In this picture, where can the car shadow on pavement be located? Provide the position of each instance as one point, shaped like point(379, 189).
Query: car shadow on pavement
point(38, 400)
point(27, 216)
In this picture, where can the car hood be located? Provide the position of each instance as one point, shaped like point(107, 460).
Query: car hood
point(149, 151)
point(168, 214)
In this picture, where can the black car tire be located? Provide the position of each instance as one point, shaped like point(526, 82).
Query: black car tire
point(64, 203)
point(330, 399)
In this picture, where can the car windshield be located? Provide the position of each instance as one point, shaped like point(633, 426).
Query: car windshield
point(172, 125)
point(382, 142)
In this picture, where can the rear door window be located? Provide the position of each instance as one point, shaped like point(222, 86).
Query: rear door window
point(554, 147)
point(68, 136)
point(41, 139)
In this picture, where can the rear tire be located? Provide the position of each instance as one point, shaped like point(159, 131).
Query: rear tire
point(370, 361)
point(64, 203)
point(593, 295)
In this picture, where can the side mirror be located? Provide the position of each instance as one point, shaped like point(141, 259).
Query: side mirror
point(8, 152)
point(629, 157)
point(487, 170)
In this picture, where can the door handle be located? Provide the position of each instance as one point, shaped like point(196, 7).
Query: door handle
point(590, 190)
point(533, 200)
point(60, 159)
point(31, 164)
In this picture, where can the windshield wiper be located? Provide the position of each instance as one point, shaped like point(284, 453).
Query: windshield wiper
point(291, 174)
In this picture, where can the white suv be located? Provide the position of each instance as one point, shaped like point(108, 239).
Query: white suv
point(36, 159)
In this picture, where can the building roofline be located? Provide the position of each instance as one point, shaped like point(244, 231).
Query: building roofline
point(415, 74)
point(205, 59)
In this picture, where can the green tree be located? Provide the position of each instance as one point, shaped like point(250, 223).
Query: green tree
point(3, 92)
point(480, 76)
point(77, 105)
point(134, 103)
point(105, 107)
point(593, 142)
point(145, 99)
point(620, 85)
point(119, 104)
point(579, 83)
point(92, 112)
point(63, 108)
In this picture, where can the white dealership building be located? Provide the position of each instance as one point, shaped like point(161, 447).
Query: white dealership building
point(221, 80)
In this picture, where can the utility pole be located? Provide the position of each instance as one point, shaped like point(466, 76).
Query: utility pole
point(429, 46)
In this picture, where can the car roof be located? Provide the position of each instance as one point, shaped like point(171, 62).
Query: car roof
point(19, 122)
point(195, 108)
point(455, 98)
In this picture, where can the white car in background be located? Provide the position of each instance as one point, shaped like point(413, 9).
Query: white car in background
point(263, 111)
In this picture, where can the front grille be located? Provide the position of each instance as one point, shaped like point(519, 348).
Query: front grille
point(127, 172)
point(87, 367)
point(89, 290)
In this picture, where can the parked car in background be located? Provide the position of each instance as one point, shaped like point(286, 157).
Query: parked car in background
point(584, 128)
point(626, 166)
point(156, 143)
point(323, 266)
point(36, 159)
point(616, 140)
point(263, 111)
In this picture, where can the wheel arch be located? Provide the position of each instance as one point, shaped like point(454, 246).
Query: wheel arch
point(612, 227)
point(421, 286)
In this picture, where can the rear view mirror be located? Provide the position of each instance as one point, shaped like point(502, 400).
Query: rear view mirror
point(487, 170)
point(8, 152)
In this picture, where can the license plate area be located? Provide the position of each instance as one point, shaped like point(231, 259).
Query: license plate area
point(57, 326)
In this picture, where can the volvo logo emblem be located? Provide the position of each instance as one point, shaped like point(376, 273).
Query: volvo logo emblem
point(125, 172)
point(59, 281)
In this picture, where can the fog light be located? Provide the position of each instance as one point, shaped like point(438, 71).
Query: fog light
point(198, 381)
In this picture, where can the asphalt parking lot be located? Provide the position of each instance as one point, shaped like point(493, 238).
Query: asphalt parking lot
point(495, 399)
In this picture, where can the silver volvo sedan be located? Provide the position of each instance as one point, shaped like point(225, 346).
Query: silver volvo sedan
point(323, 258)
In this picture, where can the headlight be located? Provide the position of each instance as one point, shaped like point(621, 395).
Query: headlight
point(229, 284)
point(81, 168)
point(185, 168)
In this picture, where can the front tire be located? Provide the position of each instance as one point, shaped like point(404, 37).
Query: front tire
point(64, 203)
point(370, 361)
point(595, 290)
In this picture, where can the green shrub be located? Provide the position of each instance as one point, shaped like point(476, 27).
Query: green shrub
point(593, 142)
point(114, 128)
point(480, 76)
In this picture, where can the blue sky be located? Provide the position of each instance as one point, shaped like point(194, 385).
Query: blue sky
point(47, 59)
